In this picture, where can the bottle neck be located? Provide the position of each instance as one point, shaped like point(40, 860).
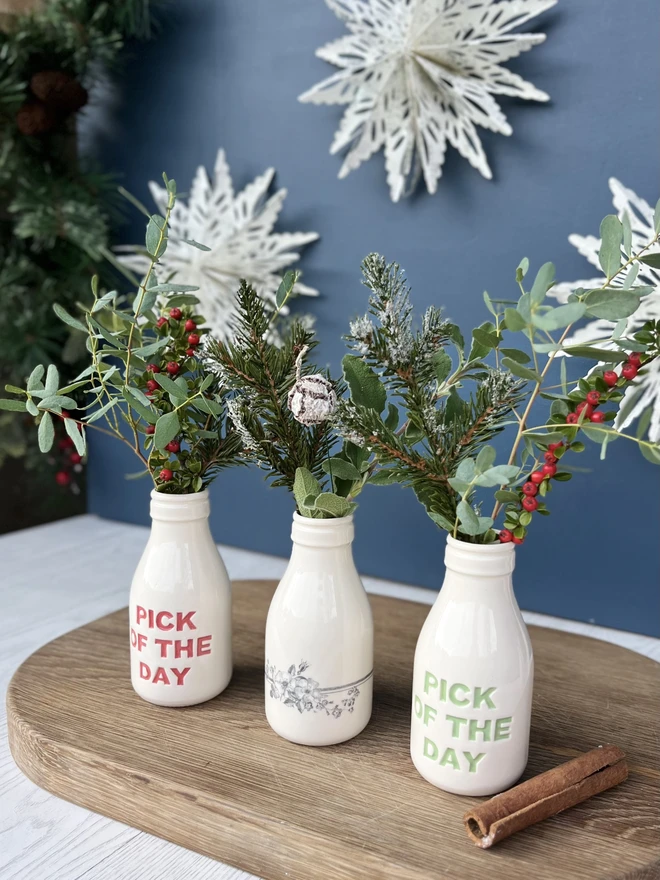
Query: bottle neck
point(174, 514)
point(479, 567)
point(322, 534)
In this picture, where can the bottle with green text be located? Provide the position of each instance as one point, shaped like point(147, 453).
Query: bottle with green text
point(473, 676)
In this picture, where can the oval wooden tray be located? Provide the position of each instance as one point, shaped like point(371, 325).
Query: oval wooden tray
point(216, 779)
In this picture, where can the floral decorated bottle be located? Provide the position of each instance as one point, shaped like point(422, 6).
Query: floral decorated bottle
point(180, 607)
point(473, 676)
point(319, 639)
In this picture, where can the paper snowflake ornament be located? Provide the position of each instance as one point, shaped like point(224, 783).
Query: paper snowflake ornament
point(237, 229)
point(419, 74)
point(645, 391)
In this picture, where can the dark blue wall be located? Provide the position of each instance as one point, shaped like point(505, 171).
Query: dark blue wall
point(228, 74)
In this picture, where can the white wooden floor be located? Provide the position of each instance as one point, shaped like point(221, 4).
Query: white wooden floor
point(58, 577)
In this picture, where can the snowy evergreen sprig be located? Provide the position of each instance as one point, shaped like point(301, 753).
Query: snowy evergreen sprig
point(441, 450)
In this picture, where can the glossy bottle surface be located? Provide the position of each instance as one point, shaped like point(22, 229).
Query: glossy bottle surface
point(180, 607)
point(319, 639)
point(473, 676)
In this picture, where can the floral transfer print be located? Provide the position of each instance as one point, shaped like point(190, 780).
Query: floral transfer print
point(300, 691)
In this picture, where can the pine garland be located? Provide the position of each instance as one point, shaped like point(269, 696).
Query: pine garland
point(56, 215)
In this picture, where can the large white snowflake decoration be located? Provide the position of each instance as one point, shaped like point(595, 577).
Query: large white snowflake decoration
point(645, 391)
point(238, 230)
point(417, 74)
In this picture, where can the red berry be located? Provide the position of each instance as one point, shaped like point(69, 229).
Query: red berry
point(65, 414)
point(505, 536)
point(62, 478)
point(153, 368)
point(635, 358)
point(173, 446)
point(553, 446)
point(530, 504)
point(530, 489)
point(65, 443)
point(610, 378)
point(550, 458)
point(537, 477)
point(190, 352)
point(517, 540)
point(165, 475)
point(152, 385)
point(593, 398)
point(190, 325)
point(549, 469)
point(629, 371)
point(172, 368)
point(598, 417)
point(571, 418)
point(75, 458)
point(161, 322)
point(151, 429)
point(176, 314)
point(193, 339)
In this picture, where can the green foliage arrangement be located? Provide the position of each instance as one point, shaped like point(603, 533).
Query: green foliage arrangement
point(145, 385)
point(282, 408)
point(442, 449)
point(56, 214)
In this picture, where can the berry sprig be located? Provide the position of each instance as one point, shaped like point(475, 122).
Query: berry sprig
point(582, 406)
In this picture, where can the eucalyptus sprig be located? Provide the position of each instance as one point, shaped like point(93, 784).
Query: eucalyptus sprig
point(281, 406)
point(455, 403)
point(145, 384)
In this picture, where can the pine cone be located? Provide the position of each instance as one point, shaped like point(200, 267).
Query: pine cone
point(59, 90)
point(35, 118)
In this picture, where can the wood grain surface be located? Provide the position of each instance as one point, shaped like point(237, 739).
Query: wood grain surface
point(215, 778)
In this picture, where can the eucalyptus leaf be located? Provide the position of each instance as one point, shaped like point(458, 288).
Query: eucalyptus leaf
point(34, 379)
point(609, 253)
point(196, 244)
point(365, 386)
point(627, 233)
point(46, 432)
point(597, 354)
point(64, 316)
point(147, 414)
point(515, 354)
point(151, 349)
point(652, 260)
point(171, 387)
point(182, 299)
point(167, 427)
point(468, 518)
point(285, 288)
point(544, 280)
point(57, 400)
point(631, 276)
point(489, 303)
point(521, 371)
point(171, 287)
point(521, 271)
point(156, 236)
point(514, 320)
point(612, 305)
point(13, 405)
point(458, 485)
point(466, 470)
point(485, 459)
point(560, 317)
point(506, 496)
point(99, 413)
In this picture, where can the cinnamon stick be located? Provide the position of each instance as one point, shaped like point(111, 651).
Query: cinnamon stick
point(545, 795)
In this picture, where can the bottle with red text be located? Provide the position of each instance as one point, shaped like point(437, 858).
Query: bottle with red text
point(180, 607)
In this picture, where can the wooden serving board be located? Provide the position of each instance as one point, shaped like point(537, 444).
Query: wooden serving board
point(216, 779)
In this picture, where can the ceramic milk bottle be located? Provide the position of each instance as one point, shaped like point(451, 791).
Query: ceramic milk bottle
point(473, 676)
point(180, 607)
point(319, 639)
